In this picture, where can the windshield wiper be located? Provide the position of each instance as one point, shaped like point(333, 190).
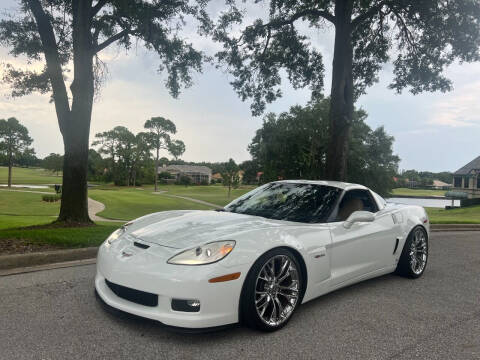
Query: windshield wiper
point(220, 209)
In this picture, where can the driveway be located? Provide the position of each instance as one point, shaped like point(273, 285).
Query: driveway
point(54, 315)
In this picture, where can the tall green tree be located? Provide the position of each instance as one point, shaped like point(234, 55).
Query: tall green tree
point(159, 132)
point(119, 144)
point(230, 176)
point(294, 145)
point(420, 37)
point(107, 142)
point(141, 157)
point(53, 162)
point(176, 148)
point(64, 32)
point(14, 141)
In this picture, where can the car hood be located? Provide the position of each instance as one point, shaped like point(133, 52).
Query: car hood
point(184, 229)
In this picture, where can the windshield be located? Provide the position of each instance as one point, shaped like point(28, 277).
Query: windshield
point(309, 203)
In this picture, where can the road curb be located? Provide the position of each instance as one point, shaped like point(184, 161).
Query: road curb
point(46, 257)
point(455, 227)
point(63, 258)
point(60, 265)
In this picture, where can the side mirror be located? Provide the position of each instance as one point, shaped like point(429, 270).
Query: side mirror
point(358, 216)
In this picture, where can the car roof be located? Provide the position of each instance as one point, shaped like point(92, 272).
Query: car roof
point(337, 184)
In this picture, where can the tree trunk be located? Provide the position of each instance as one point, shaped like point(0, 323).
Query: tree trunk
point(341, 102)
point(76, 128)
point(156, 170)
point(74, 206)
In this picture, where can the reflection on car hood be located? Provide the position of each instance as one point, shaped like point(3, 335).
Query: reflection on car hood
point(184, 229)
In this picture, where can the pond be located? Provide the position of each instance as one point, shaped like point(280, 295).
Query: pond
point(27, 186)
point(425, 202)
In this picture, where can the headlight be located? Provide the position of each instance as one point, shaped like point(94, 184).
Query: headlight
point(205, 254)
point(117, 233)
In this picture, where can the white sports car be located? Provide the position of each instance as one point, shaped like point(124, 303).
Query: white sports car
point(259, 258)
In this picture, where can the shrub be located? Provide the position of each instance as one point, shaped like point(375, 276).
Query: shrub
point(204, 182)
point(184, 180)
point(51, 198)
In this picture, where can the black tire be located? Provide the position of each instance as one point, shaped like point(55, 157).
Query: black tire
point(248, 307)
point(406, 266)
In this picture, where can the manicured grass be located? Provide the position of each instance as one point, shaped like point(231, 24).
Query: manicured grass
point(16, 221)
point(26, 204)
point(467, 215)
point(29, 176)
point(417, 192)
point(130, 203)
point(61, 237)
point(215, 194)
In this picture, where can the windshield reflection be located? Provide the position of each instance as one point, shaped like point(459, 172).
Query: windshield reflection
point(307, 203)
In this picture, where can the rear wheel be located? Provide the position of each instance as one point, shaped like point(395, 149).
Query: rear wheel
point(413, 260)
point(272, 290)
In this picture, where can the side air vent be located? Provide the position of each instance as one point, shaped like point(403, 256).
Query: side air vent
point(397, 240)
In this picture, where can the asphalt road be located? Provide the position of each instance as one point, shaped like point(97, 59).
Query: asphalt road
point(54, 315)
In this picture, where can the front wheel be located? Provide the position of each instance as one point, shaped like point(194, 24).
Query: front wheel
point(272, 290)
point(413, 260)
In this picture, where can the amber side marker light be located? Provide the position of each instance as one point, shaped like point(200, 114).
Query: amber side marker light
point(223, 278)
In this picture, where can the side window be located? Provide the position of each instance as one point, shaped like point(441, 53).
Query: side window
point(355, 200)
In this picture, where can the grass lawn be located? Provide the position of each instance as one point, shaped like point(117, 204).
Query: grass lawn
point(130, 203)
point(58, 237)
point(26, 204)
point(29, 176)
point(417, 192)
point(21, 210)
point(467, 215)
point(215, 194)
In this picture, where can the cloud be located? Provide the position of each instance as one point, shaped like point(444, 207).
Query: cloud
point(459, 109)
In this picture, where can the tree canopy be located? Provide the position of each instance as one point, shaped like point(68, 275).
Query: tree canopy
point(67, 36)
point(14, 142)
point(293, 145)
point(419, 37)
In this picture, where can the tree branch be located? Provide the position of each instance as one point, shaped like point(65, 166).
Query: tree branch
point(406, 31)
point(98, 6)
point(110, 40)
point(54, 67)
point(369, 13)
point(314, 12)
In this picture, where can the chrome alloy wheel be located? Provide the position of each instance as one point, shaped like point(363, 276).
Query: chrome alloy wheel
point(277, 290)
point(418, 251)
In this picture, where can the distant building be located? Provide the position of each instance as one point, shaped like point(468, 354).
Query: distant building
point(198, 174)
point(440, 185)
point(467, 179)
point(217, 176)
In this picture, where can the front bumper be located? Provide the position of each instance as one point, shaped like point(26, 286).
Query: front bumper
point(147, 270)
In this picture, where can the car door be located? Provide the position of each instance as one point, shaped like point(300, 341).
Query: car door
point(365, 246)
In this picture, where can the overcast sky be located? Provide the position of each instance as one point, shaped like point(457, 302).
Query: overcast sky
point(433, 132)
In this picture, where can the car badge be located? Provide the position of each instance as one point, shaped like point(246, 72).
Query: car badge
point(126, 254)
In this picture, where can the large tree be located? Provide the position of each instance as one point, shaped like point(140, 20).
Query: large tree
point(159, 137)
point(421, 37)
point(66, 33)
point(294, 145)
point(14, 141)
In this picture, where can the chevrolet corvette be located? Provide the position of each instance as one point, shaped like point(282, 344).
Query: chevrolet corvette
point(261, 256)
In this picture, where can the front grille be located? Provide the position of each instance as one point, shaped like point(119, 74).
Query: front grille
point(136, 296)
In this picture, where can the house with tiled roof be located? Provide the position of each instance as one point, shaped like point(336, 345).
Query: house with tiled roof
point(467, 179)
